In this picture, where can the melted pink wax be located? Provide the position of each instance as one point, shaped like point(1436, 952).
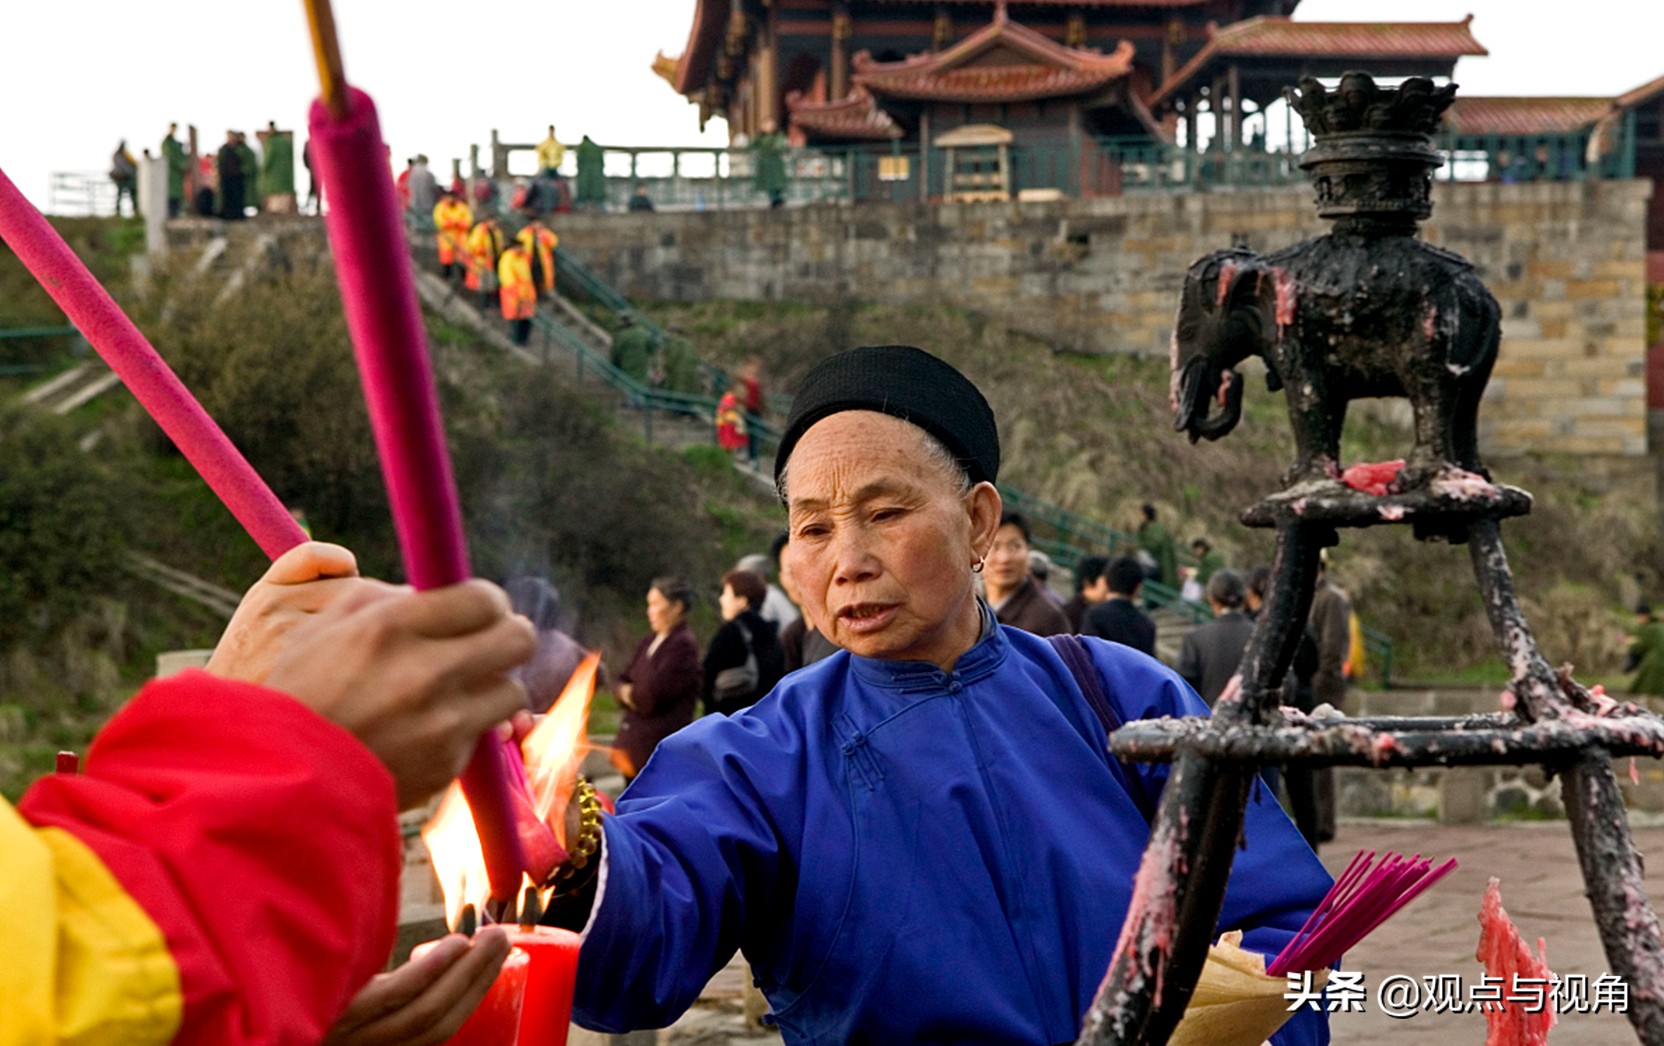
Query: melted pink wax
point(1227, 272)
point(1285, 299)
point(1373, 477)
point(1429, 322)
point(1147, 932)
point(1391, 513)
point(1506, 957)
point(1460, 483)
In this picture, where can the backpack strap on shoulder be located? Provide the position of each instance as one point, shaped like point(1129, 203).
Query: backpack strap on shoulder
point(1078, 660)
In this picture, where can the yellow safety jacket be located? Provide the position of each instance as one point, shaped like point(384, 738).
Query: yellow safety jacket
point(518, 295)
point(544, 242)
point(453, 219)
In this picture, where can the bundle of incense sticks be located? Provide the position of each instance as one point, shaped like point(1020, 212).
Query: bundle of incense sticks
point(1361, 899)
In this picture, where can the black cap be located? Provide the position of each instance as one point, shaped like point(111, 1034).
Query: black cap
point(906, 383)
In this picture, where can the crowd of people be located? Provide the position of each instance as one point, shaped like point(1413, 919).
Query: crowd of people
point(228, 183)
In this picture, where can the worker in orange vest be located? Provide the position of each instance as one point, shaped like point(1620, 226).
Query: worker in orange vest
point(482, 249)
point(518, 293)
point(453, 219)
point(537, 239)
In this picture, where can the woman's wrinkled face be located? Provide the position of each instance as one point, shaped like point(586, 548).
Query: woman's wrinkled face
point(882, 541)
point(1008, 558)
point(663, 614)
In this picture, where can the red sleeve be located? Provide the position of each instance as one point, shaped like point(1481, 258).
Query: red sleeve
point(262, 840)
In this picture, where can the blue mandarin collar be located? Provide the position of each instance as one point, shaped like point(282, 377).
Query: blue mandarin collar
point(982, 660)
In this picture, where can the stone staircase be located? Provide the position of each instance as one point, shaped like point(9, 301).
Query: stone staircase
point(671, 431)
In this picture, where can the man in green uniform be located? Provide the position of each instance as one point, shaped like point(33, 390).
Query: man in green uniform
point(592, 178)
point(178, 163)
point(1210, 560)
point(1154, 539)
point(680, 363)
point(1646, 653)
point(277, 171)
point(769, 150)
point(632, 349)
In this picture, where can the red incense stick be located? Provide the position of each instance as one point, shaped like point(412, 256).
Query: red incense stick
point(152, 382)
point(378, 292)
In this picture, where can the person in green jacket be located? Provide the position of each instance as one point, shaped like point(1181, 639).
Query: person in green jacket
point(592, 179)
point(769, 151)
point(253, 185)
point(277, 170)
point(178, 163)
point(1646, 653)
point(680, 363)
point(1209, 560)
point(632, 350)
point(1154, 539)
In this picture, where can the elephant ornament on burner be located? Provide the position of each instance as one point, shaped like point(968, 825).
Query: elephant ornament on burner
point(1368, 310)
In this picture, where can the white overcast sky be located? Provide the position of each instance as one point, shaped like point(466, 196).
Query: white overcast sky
point(77, 77)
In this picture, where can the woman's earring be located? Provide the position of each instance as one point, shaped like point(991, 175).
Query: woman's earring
point(976, 568)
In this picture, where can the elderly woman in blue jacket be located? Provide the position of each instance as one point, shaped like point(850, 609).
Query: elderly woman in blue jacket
point(922, 838)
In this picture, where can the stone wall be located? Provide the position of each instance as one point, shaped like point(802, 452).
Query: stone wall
point(1566, 261)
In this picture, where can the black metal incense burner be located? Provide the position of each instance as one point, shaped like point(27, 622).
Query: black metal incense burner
point(1365, 311)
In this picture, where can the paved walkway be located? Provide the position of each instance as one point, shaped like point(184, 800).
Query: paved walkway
point(1438, 934)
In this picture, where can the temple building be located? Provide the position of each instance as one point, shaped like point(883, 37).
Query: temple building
point(1040, 77)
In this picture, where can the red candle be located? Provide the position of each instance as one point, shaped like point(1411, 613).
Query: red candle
point(548, 1010)
point(497, 1020)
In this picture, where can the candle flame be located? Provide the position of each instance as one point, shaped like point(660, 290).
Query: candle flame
point(553, 752)
point(557, 746)
point(458, 860)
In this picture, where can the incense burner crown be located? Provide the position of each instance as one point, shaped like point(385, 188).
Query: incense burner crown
point(1373, 159)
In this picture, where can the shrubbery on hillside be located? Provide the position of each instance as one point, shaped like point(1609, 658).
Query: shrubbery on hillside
point(1094, 435)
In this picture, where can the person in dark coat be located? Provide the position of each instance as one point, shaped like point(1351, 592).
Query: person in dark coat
point(1118, 618)
point(1091, 588)
point(232, 179)
point(1330, 621)
point(745, 637)
point(662, 684)
point(1299, 792)
point(1016, 597)
point(1211, 652)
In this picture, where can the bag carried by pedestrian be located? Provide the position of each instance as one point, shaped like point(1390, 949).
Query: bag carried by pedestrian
point(739, 682)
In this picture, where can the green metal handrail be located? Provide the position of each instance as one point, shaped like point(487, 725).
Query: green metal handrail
point(18, 333)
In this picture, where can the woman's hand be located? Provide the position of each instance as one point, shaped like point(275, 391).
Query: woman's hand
point(623, 694)
point(425, 1001)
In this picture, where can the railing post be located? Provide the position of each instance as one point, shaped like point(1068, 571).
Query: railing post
point(1626, 167)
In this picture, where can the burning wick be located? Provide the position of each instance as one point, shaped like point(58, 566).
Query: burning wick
point(469, 921)
point(531, 909)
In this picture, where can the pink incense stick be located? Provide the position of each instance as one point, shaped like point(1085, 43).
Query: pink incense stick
point(1360, 900)
point(152, 382)
point(378, 292)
